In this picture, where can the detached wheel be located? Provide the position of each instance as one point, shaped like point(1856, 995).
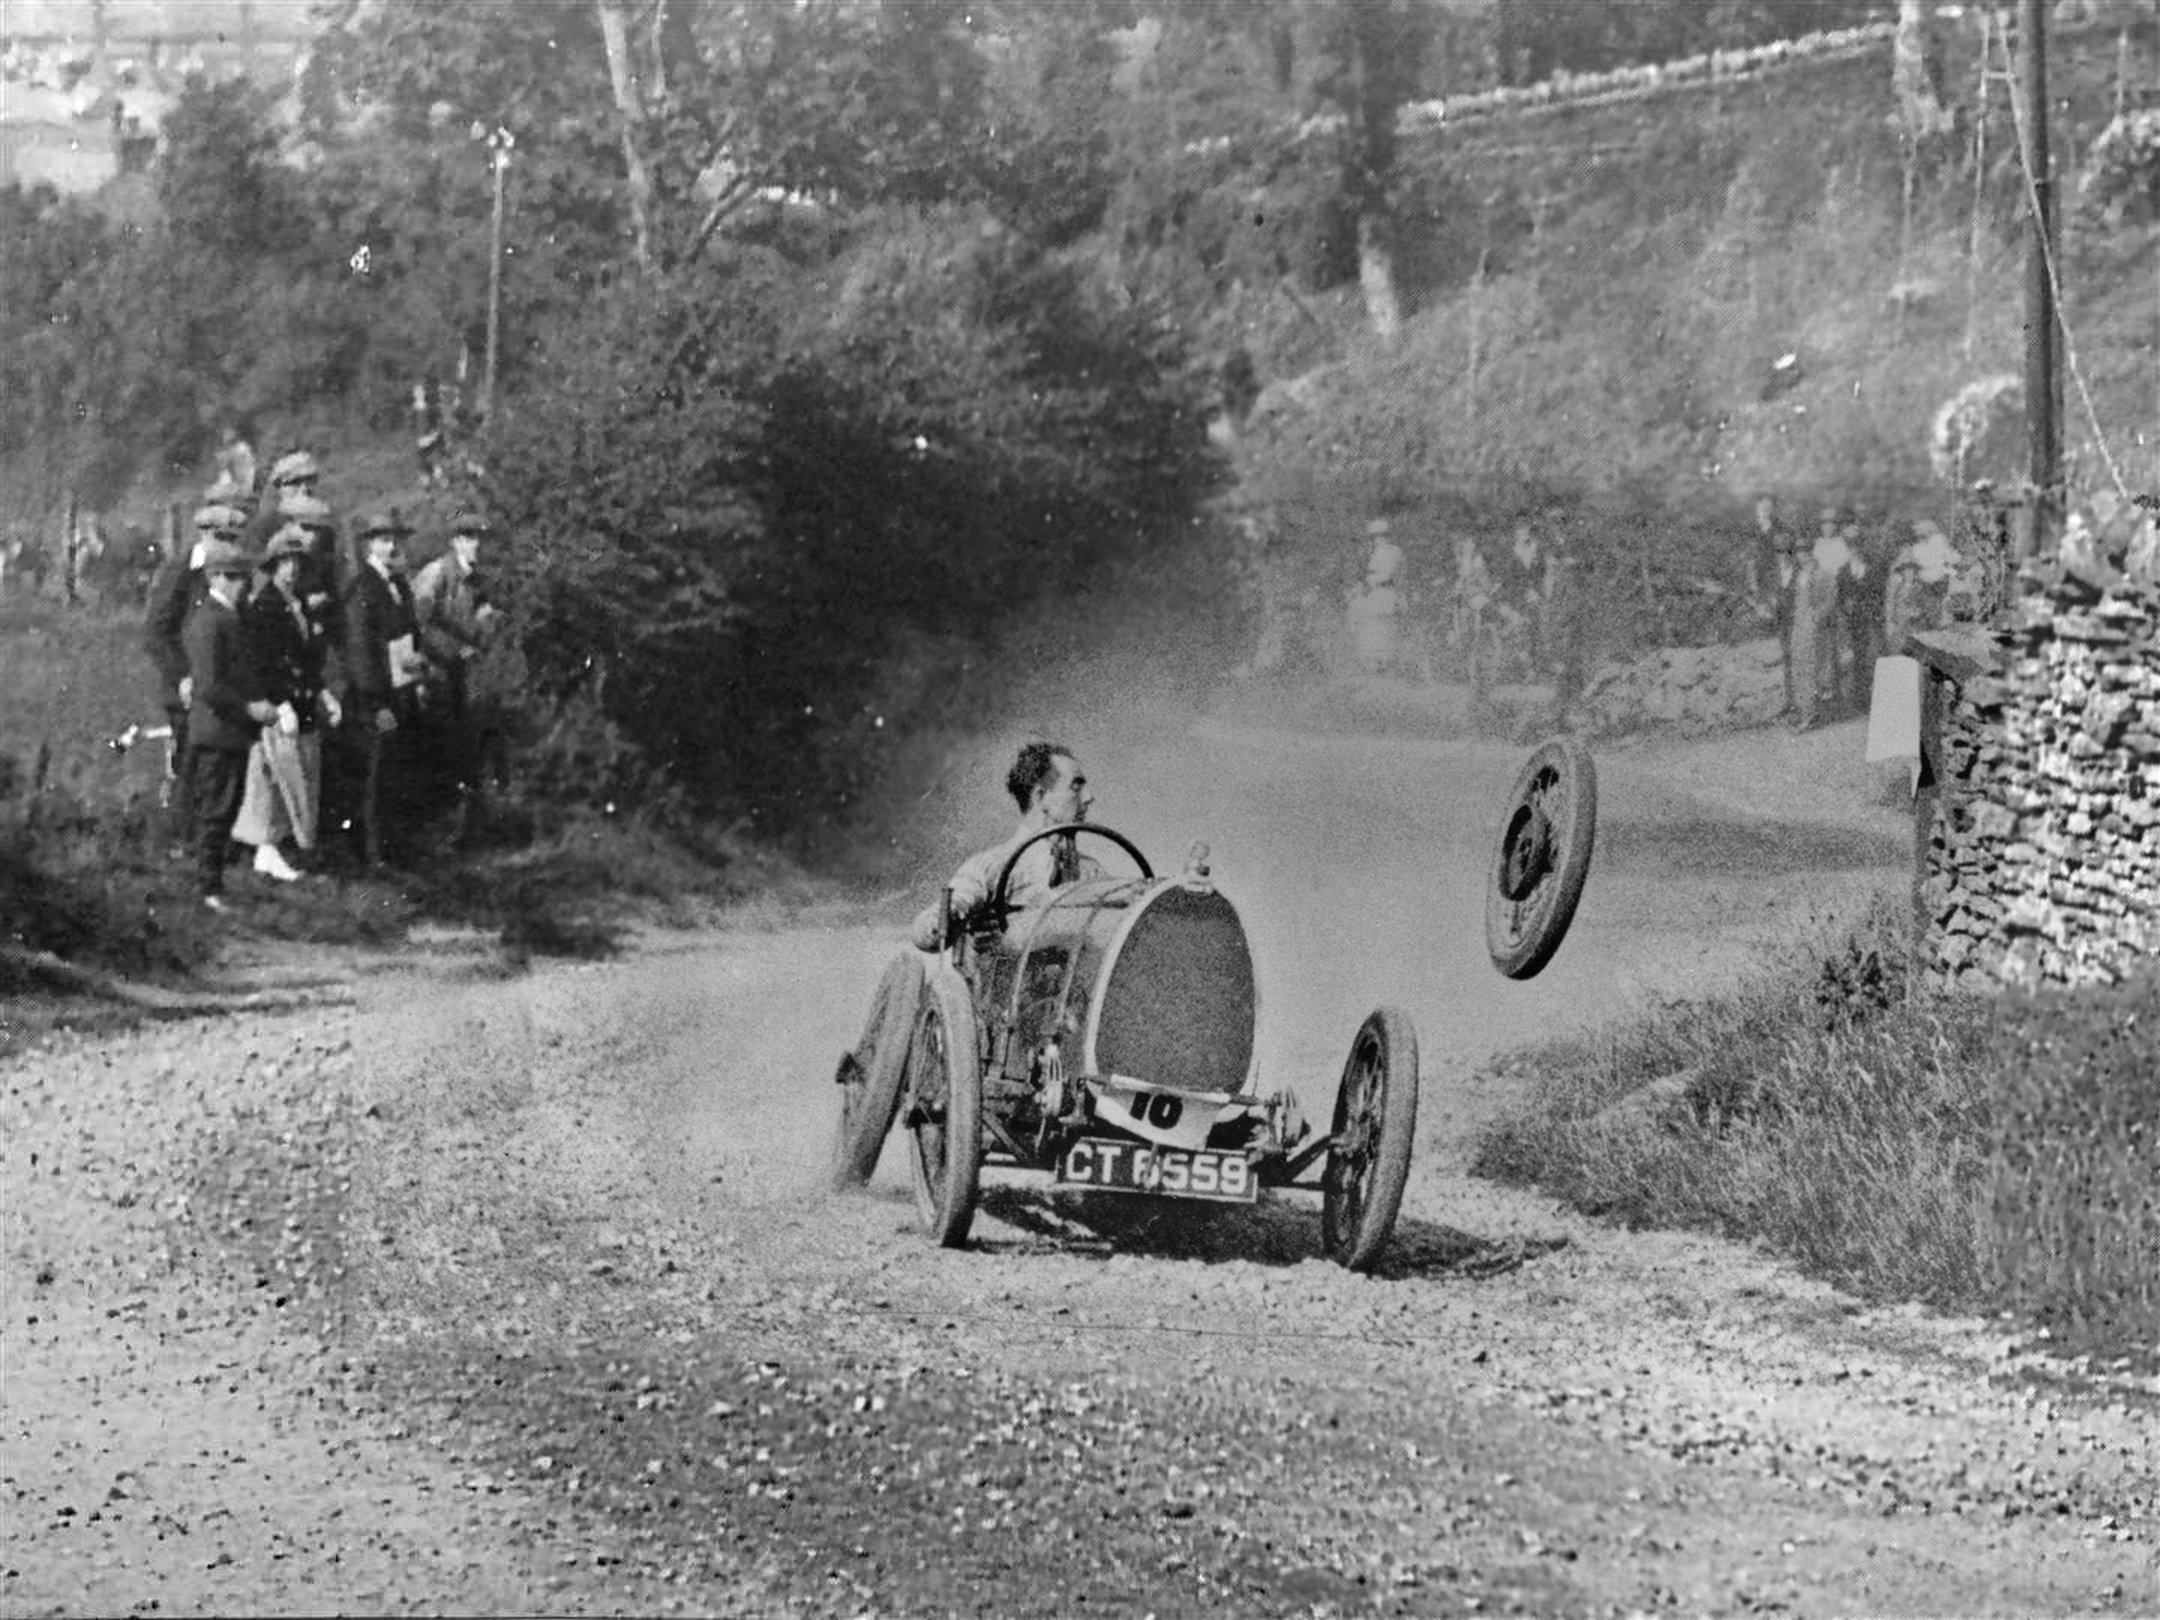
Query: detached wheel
point(1369, 1161)
point(1546, 838)
point(943, 1110)
point(871, 1075)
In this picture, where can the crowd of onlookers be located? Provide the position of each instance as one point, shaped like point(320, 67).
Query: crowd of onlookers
point(1543, 598)
point(318, 699)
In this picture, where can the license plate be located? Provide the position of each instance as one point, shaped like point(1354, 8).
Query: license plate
point(1171, 1172)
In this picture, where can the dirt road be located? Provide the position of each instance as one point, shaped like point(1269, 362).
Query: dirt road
point(522, 1291)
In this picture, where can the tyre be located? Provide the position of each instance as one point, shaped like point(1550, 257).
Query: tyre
point(871, 1075)
point(943, 1108)
point(1368, 1161)
point(1546, 838)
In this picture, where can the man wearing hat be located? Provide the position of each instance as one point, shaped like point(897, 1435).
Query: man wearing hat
point(383, 669)
point(295, 476)
point(175, 592)
point(284, 779)
point(455, 617)
point(1376, 608)
point(1919, 582)
point(295, 473)
point(1832, 576)
point(226, 707)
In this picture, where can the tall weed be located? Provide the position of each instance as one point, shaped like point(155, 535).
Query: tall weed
point(2076, 1162)
point(1826, 1108)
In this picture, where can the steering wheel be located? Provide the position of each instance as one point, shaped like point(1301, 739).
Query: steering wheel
point(999, 906)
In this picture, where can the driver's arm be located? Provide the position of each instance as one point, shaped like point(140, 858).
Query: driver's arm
point(970, 888)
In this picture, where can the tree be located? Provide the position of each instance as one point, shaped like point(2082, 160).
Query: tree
point(1256, 127)
point(630, 109)
point(1367, 56)
point(218, 178)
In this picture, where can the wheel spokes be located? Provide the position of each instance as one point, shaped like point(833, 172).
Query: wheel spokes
point(1350, 1157)
point(927, 1078)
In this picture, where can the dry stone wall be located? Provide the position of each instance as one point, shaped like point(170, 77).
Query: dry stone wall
point(2042, 858)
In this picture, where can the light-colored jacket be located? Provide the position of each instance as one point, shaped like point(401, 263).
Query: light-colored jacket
point(1043, 870)
point(447, 609)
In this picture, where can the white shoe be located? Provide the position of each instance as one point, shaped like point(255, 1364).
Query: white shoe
point(271, 863)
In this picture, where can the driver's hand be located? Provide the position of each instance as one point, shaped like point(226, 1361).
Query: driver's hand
point(924, 933)
point(969, 894)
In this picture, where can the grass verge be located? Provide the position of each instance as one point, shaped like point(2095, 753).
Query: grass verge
point(1904, 1144)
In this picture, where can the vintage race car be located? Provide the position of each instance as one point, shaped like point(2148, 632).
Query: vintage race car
point(1106, 1037)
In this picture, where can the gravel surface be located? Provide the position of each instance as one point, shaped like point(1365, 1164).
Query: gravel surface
point(521, 1292)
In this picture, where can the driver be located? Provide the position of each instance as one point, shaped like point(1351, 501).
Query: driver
point(1047, 783)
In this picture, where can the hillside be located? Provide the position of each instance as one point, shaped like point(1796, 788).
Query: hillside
point(1609, 283)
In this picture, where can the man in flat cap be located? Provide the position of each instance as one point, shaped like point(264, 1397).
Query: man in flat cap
point(455, 618)
point(294, 477)
point(226, 708)
point(384, 669)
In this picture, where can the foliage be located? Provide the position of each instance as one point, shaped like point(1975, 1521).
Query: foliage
point(218, 179)
point(130, 344)
point(1856, 1144)
point(1911, 1144)
point(737, 498)
point(2076, 1161)
point(2122, 172)
point(1532, 40)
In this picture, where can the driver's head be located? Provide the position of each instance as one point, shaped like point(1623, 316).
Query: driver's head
point(1045, 776)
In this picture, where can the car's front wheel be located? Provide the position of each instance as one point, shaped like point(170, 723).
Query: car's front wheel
point(943, 1107)
point(1375, 1120)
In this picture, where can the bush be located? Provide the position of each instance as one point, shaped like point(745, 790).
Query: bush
point(1819, 1107)
point(2076, 1161)
point(740, 504)
point(88, 885)
point(1903, 1144)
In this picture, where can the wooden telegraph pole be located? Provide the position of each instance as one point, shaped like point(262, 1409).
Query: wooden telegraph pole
point(2043, 345)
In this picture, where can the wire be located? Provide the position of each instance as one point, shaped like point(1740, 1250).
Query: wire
point(2047, 257)
point(1972, 243)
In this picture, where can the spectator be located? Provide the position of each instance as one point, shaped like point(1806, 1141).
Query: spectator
point(320, 584)
point(1473, 607)
point(224, 711)
point(1526, 582)
point(1376, 607)
point(427, 427)
point(383, 668)
point(236, 469)
point(1919, 579)
point(1785, 549)
point(1826, 570)
point(292, 476)
point(1807, 631)
point(1759, 558)
point(175, 593)
point(454, 618)
point(287, 648)
point(1862, 597)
